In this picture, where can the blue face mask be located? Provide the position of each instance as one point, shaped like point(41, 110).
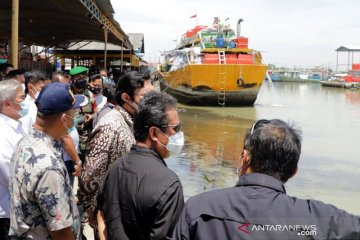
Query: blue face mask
point(69, 130)
point(24, 108)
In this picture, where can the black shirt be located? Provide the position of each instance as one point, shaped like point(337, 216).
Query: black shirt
point(258, 208)
point(141, 198)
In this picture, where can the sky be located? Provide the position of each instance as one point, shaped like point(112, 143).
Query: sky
point(289, 33)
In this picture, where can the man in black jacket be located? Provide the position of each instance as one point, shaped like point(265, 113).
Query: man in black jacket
point(141, 198)
point(258, 206)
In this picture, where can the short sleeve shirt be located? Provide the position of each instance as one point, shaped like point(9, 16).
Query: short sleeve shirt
point(40, 190)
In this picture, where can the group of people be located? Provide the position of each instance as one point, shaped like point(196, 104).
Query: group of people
point(58, 128)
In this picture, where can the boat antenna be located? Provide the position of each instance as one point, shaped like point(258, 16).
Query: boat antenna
point(239, 27)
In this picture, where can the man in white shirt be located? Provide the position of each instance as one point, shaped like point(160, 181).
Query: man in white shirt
point(34, 83)
point(11, 98)
point(70, 142)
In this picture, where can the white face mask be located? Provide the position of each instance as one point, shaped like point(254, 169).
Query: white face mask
point(175, 144)
point(36, 95)
point(24, 108)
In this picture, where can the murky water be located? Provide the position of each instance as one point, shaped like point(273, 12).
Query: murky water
point(329, 167)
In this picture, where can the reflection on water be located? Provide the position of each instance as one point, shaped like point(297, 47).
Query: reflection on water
point(329, 169)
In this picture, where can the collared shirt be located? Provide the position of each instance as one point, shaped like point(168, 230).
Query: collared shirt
point(259, 208)
point(141, 198)
point(30, 118)
point(101, 100)
point(111, 138)
point(40, 190)
point(11, 133)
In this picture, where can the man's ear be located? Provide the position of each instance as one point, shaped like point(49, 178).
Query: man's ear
point(125, 97)
point(153, 133)
point(6, 103)
point(246, 158)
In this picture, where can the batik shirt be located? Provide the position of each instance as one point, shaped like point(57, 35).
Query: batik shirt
point(40, 190)
point(111, 138)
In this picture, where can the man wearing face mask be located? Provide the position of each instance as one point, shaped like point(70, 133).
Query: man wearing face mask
point(11, 98)
point(96, 87)
point(42, 202)
point(111, 138)
point(258, 206)
point(35, 81)
point(141, 198)
point(85, 114)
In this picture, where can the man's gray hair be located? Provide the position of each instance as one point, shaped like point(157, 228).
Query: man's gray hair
point(8, 90)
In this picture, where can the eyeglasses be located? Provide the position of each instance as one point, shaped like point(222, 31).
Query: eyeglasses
point(257, 124)
point(177, 127)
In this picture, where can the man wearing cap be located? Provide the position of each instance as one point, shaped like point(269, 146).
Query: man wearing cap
point(85, 114)
point(42, 202)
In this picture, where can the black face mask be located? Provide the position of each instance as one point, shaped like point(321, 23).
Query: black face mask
point(80, 83)
point(95, 90)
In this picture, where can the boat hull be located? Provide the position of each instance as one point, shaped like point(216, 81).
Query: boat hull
point(187, 96)
point(201, 84)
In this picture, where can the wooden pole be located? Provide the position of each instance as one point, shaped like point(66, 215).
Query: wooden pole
point(63, 63)
point(105, 48)
point(14, 33)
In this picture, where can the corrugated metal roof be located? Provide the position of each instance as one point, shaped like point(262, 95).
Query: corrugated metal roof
point(348, 48)
point(86, 45)
point(54, 22)
point(137, 40)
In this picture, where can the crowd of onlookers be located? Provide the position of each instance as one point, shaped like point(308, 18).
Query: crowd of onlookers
point(115, 140)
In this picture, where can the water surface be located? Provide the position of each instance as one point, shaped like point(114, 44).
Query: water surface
point(329, 166)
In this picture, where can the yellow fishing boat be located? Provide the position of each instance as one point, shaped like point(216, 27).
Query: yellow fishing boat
point(213, 66)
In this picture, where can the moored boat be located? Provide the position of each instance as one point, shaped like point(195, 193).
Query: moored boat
point(213, 66)
point(353, 76)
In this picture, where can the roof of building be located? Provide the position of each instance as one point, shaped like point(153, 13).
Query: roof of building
point(90, 45)
point(348, 48)
point(137, 40)
point(53, 22)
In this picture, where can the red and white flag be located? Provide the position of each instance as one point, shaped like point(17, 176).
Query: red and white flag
point(193, 16)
